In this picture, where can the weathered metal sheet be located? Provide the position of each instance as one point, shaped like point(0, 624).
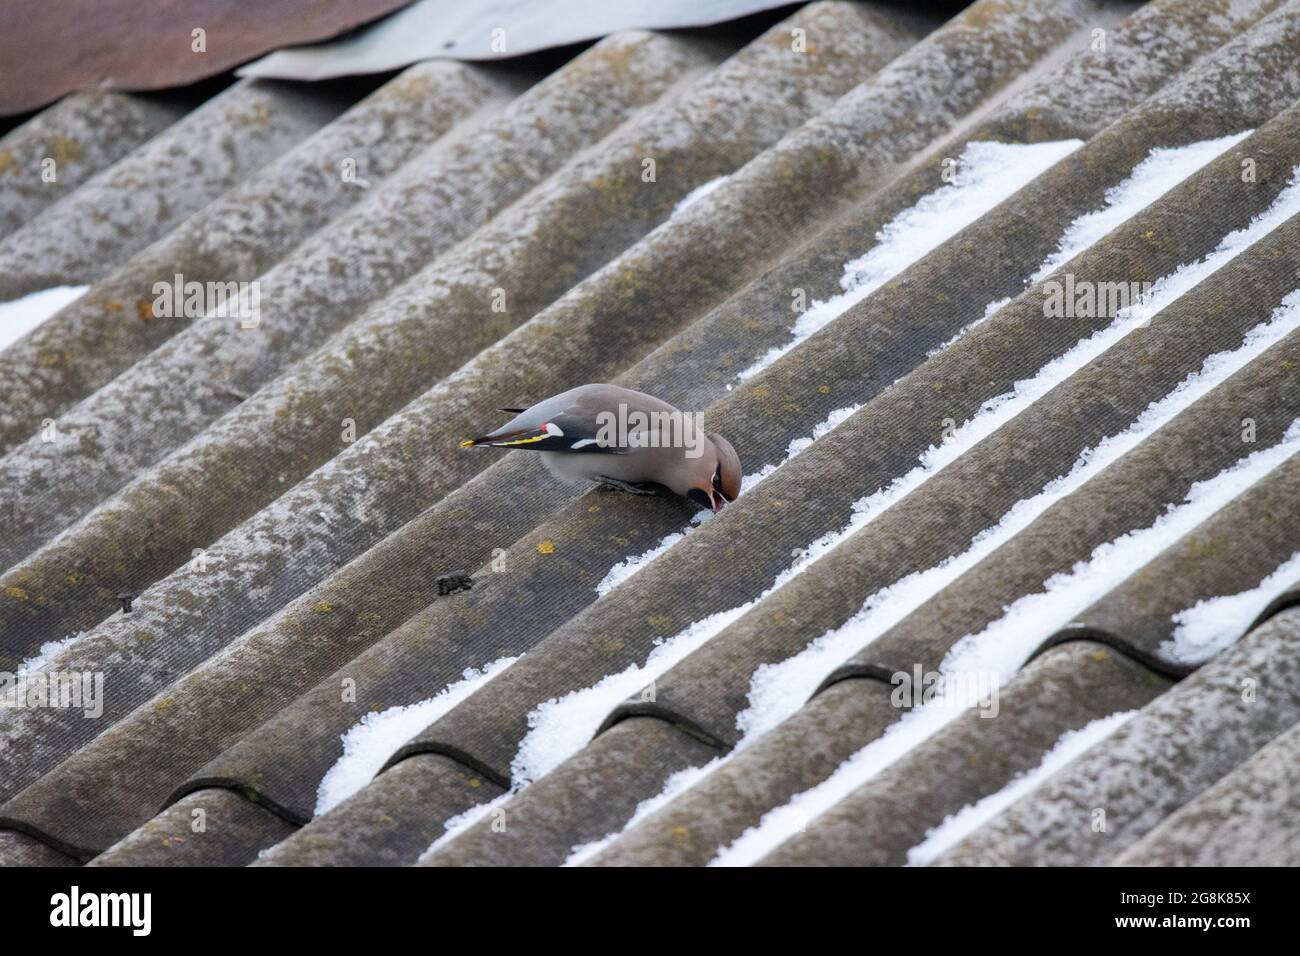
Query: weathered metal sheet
point(37, 70)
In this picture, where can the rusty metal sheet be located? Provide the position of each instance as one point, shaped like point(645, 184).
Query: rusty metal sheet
point(49, 49)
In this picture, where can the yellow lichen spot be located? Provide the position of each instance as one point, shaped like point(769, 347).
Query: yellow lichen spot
point(475, 782)
point(18, 594)
point(593, 509)
point(164, 703)
point(113, 305)
point(824, 389)
point(8, 164)
point(74, 577)
point(546, 547)
point(257, 113)
point(64, 150)
point(144, 309)
point(1100, 655)
point(322, 607)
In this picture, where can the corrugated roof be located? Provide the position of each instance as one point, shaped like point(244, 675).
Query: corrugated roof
point(838, 238)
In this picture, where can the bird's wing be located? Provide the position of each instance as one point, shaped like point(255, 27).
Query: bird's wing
point(570, 421)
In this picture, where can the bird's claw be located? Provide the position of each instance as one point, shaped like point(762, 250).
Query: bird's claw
point(624, 486)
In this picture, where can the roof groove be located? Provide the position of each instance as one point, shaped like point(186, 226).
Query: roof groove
point(156, 186)
point(1055, 696)
point(237, 236)
point(83, 133)
point(1060, 692)
point(1246, 819)
point(388, 828)
point(230, 824)
point(1203, 564)
point(285, 428)
point(1175, 748)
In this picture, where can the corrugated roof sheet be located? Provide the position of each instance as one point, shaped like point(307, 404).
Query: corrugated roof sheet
point(488, 30)
point(1090, 510)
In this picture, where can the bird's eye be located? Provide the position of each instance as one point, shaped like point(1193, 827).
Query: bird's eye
point(717, 478)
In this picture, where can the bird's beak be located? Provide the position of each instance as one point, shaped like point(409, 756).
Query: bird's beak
point(718, 501)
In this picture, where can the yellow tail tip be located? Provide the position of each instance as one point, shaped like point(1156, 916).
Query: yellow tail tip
point(467, 443)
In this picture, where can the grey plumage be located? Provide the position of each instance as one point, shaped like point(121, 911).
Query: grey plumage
point(624, 438)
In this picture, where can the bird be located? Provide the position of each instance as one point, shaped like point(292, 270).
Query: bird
point(623, 439)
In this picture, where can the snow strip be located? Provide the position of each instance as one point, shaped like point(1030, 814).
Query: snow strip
point(20, 316)
point(1005, 644)
point(1218, 622)
point(561, 727)
point(1161, 171)
point(988, 173)
point(970, 818)
point(778, 690)
point(696, 194)
point(379, 734)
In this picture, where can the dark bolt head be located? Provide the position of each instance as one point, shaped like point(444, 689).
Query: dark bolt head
point(454, 581)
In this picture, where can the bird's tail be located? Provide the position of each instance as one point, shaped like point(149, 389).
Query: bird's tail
point(527, 436)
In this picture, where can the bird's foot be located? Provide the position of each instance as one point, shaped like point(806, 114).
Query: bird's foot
point(624, 486)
